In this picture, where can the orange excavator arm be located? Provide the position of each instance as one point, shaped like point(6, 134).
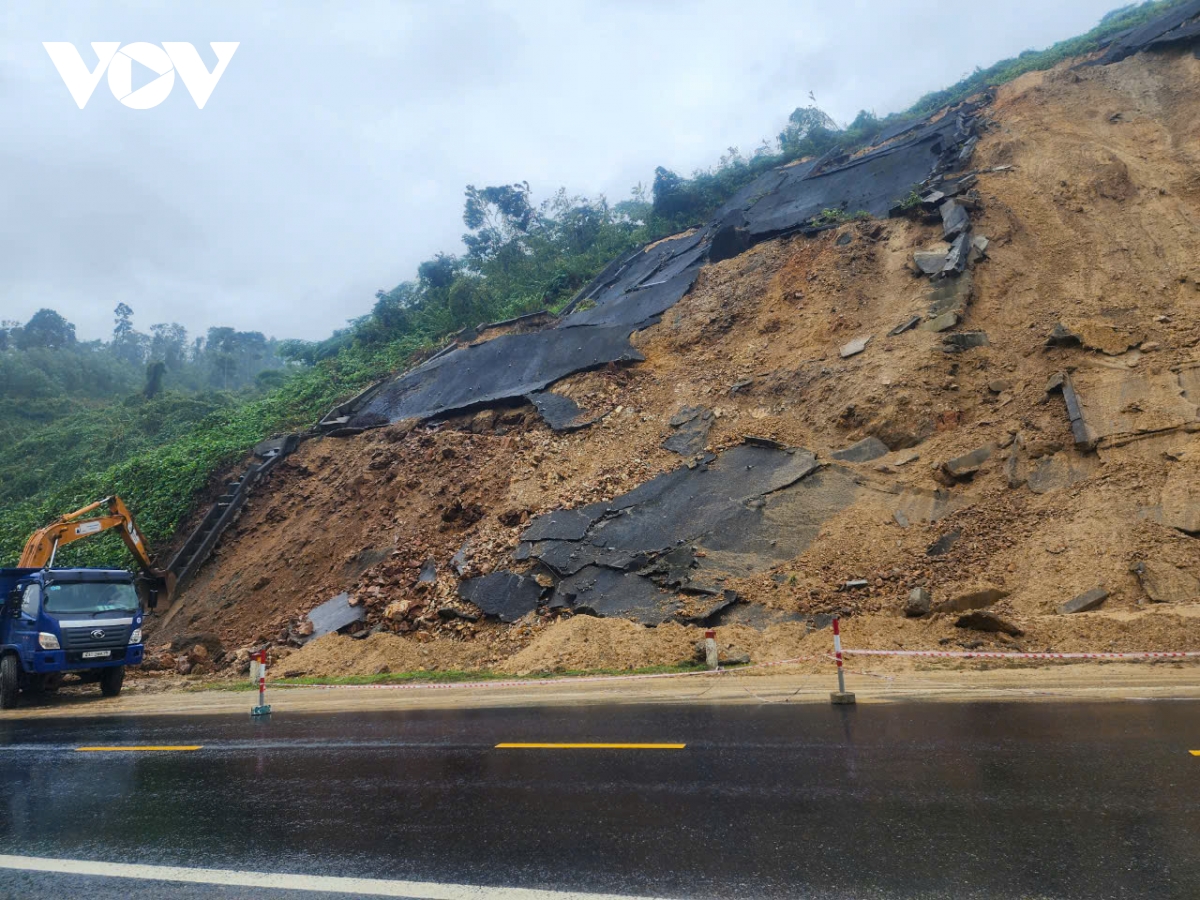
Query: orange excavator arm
point(43, 544)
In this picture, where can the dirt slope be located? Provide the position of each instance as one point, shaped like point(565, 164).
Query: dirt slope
point(1093, 224)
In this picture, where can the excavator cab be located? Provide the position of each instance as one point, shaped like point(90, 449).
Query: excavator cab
point(43, 545)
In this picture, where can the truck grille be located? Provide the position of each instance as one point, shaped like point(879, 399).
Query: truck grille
point(115, 638)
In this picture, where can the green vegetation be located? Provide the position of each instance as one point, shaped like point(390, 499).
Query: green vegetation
point(912, 201)
point(155, 416)
point(1040, 60)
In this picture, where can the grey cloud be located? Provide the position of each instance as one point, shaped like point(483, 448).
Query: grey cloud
point(332, 155)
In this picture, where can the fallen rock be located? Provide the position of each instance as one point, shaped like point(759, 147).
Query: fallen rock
point(733, 656)
point(944, 322)
point(855, 347)
point(919, 603)
point(907, 325)
point(981, 620)
point(970, 463)
point(866, 450)
point(930, 262)
point(449, 614)
point(942, 545)
point(955, 219)
point(1084, 602)
point(197, 653)
point(964, 340)
point(959, 255)
point(1166, 583)
point(428, 572)
point(951, 295)
point(212, 645)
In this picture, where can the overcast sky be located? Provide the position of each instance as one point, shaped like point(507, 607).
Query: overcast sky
point(332, 155)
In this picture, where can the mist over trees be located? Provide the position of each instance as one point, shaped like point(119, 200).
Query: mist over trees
point(46, 371)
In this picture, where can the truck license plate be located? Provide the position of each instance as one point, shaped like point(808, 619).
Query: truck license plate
point(96, 654)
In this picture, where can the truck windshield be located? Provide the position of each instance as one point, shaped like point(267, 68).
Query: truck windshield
point(84, 598)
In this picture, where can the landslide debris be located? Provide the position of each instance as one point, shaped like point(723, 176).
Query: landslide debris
point(1040, 468)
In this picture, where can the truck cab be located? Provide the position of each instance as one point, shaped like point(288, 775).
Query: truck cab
point(57, 621)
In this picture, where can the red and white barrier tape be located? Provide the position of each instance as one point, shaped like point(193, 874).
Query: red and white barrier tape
point(595, 679)
point(972, 654)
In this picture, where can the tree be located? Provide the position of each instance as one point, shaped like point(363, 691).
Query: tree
point(128, 344)
point(168, 343)
point(235, 357)
point(437, 273)
point(675, 198)
point(810, 132)
point(154, 376)
point(47, 329)
point(496, 216)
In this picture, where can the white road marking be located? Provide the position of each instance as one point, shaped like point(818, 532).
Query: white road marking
point(364, 887)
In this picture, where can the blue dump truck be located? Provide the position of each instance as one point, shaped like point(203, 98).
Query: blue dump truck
point(86, 622)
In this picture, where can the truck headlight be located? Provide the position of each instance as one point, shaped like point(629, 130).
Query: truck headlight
point(47, 641)
point(135, 637)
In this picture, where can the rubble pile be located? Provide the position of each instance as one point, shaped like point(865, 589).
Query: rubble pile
point(970, 420)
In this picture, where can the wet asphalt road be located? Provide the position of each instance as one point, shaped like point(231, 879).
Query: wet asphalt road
point(914, 800)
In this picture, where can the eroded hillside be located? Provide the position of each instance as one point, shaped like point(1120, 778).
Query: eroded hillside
point(1044, 444)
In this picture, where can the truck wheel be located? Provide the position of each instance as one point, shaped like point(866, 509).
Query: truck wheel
point(10, 675)
point(111, 680)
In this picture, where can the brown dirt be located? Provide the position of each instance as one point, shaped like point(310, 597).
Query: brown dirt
point(336, 654)
point(1095, 224)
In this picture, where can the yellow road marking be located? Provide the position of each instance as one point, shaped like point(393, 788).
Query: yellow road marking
point(590, 746)
point(142, 748)
point(1194, 752)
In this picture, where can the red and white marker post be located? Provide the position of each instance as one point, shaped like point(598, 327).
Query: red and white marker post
point(262, 709)
point(839, 697)
point(711, 655)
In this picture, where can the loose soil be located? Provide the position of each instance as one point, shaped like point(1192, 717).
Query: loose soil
point(1094, 223)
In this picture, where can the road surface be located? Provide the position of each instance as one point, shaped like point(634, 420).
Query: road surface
point(996, 800)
